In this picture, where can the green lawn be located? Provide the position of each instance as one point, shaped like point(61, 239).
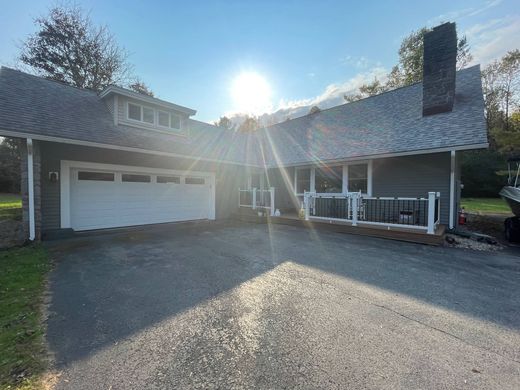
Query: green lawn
point(10, 206)
point(485, 205)
point(22, 283)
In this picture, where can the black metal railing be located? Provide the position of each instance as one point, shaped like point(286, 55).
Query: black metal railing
point(405, 211)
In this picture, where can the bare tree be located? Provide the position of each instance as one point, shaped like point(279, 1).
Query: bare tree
point(140, 87)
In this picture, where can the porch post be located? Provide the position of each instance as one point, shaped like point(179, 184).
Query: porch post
point(306, 202)
point(355, 200)
point(30, 188)
point(254, 198)
point(271, 190)
point(431, 212)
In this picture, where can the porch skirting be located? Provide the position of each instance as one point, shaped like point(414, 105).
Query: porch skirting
point(399, 234)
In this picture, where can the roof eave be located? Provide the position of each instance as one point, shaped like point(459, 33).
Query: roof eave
point(151, 100)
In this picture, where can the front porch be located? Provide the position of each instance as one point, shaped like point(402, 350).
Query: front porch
point(406, 219)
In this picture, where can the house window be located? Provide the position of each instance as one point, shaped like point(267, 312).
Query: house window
point(131, 178)
point(358, 178)
point(175, 121)
point(148, 115)
point(134, 112)
point(144, 114)
point(194, 180)
point(164, 119)
point(168, 179)
point(329, 180)
point(303, 180)
point(97, 176)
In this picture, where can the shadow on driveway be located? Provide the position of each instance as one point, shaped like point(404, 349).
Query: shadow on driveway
point(111, 289)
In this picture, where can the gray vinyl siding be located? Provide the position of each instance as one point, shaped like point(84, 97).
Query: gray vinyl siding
point(414, 176)
point(227, 177)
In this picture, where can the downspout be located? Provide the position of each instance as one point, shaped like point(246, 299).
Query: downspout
point(30, 184)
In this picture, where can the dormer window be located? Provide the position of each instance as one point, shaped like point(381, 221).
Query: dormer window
point(148, 115)
point(169, 120)
point(155, 117)
point(134, 112)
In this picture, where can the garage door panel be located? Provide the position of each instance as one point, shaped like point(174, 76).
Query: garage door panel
point(108, 204)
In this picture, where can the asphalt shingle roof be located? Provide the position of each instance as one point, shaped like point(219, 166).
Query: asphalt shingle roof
point(34, 105)
point(388, 123)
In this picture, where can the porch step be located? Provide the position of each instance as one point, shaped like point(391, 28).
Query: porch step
point(340, 227)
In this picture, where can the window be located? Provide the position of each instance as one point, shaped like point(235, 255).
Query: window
point(164, 119)
point(175, 121)
point(144, 114)
point(303, 180)
point(329, 179)
point(131, 178)
point(148, 115)
point(168, 179)
point(134, 112)
point(194, 180)
point(358, 178)
point(97, 176)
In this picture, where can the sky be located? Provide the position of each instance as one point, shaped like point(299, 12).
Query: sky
point(215, 56)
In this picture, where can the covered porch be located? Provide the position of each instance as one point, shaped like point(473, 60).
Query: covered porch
point(407, 197)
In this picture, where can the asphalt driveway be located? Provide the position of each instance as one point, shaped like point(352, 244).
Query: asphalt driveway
point(273, 307)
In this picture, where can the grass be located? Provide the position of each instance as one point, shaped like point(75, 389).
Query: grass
point(10, 206)
point(22, 283)
point(485, 205)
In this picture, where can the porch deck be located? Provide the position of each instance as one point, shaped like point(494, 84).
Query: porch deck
point(393, 233)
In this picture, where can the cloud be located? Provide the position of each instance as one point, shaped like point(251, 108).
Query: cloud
point(463, 13)
point(360, 62)
point(491, 40)
point(330, 97)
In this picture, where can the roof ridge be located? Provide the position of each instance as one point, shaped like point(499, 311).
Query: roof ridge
point(359, 100)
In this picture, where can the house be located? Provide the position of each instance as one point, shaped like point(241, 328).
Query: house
point(119, 158)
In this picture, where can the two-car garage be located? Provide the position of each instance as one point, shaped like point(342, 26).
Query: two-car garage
point(98, 196)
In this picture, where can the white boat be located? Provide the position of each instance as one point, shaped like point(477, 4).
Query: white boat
point(511, 192)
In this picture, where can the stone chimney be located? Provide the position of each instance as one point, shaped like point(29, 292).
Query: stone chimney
point(440, 61)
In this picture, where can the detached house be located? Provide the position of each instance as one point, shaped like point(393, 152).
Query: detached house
point(118, 158)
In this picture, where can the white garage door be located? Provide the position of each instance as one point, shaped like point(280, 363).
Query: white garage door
point(108, 198)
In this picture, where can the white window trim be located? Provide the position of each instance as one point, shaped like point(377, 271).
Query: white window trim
point(155, 123)
point(369, 175)
point(312, 179)
point(344, 177)
point(65, 181)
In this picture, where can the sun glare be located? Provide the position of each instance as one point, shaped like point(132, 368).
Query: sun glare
point(251, 93)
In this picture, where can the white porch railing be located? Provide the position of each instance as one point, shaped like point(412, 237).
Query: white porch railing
point(413, 213)
point(257, 199)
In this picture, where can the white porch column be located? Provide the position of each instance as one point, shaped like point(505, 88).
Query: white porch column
point(306, 202)
point(431, 212)
point(452, 190)
point(30, 188)
point(254, 198)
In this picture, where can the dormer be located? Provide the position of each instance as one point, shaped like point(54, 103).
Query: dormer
point(134, 109)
